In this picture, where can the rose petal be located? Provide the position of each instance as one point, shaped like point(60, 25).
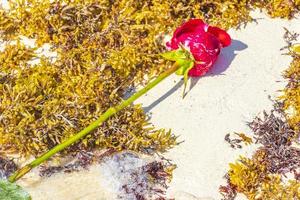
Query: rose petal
point(191, 26)
point(206, 40)
point(199, 70)
point(186, 32)
point(222, 35)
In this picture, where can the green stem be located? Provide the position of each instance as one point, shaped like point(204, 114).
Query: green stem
point(110, 112)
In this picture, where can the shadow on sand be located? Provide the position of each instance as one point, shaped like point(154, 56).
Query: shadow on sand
point(222, 64)
point(225, 59)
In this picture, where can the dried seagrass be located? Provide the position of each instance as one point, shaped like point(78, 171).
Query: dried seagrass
point(237, 139)
point(279, 8)
point(249, 177)
point(7, 167)
point(43, 104)
point(291, 97)
point(133, 176)
point(277, 138)
point(261, 177)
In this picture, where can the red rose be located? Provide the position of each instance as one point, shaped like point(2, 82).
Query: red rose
point(203, 41)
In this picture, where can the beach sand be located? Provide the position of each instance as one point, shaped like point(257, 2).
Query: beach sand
point(234, 92)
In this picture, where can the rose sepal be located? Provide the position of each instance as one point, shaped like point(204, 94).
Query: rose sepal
point(184, 59)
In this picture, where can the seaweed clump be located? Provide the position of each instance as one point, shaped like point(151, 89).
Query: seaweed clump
point(102, 50)
point(250, 178)
point(291, 97)
point(279, 8)
point(7, 167)
point(135, 177)
point(265, 175)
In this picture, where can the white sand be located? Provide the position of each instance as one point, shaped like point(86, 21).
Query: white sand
point(234, 92)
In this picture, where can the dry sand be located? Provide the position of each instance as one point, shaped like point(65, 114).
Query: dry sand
point(234, 92)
